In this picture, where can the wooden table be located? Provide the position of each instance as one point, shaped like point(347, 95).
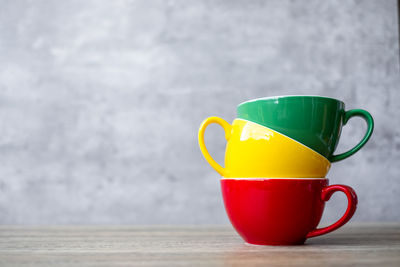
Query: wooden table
point(354, 244)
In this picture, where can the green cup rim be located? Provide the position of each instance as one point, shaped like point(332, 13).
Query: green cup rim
point(290, 96)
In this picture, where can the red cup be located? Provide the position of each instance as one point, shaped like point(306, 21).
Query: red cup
point(281, 211)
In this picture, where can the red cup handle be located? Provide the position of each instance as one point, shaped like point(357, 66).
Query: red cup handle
point(351, 208)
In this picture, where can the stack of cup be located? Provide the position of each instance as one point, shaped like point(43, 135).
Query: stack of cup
point(279, 150)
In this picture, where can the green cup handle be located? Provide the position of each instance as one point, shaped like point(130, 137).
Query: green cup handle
point(370, 123)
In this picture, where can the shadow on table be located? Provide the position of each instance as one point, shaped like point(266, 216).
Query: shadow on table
point(371, 250)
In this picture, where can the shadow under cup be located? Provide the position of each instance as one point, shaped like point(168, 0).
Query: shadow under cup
point(277, 211)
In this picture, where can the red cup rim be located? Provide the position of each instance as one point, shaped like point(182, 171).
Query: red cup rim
point(271, 178)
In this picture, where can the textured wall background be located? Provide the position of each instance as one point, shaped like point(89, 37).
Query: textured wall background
point(100, 101)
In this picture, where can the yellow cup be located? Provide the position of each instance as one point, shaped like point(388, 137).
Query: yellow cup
point(254, 150)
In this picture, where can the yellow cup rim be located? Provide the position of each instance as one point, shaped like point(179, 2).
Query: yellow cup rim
point(315, 152)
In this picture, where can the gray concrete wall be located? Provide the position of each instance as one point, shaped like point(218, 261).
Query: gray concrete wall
point(100, 101)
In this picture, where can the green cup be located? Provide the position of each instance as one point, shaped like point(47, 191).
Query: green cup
point(314, 121)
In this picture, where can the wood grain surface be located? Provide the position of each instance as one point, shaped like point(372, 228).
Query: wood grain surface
point(354, 244)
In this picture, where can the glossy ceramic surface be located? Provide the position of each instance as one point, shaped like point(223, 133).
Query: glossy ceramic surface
point(312, 120)
point(253, 150)
point(281, 211)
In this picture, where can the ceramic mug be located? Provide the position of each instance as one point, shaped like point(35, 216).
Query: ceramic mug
point(281, 211)
point(253, 150)
point(314, 121)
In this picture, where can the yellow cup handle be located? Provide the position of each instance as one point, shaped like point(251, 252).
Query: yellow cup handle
point(227, 128)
